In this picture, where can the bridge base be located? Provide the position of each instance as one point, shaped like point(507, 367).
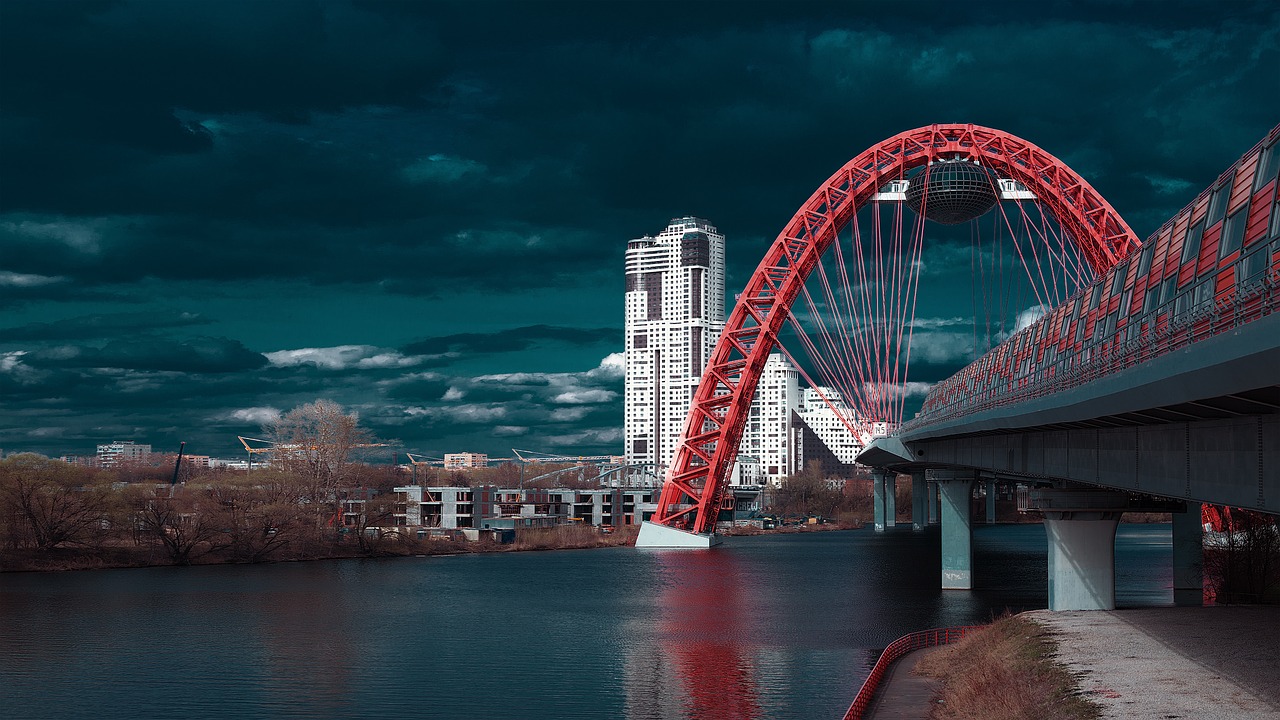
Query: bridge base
point(957, 530)
point(1081, 529)
point(1188, 557)
point(919, 492)
point(653, 535)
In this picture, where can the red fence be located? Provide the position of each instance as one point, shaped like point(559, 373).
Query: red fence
point(896, 649)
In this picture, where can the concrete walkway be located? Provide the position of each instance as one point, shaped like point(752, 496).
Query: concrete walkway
point(903, 695)
point(1144, 664)
point(1163, 663)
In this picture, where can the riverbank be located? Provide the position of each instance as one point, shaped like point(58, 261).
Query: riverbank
point(1142, 663)
point(566, 537)
point(1005, 671)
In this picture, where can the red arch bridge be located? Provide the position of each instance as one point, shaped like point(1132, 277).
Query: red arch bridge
point(1147, 377)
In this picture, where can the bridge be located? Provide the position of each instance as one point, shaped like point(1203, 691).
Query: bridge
point(1151, 382)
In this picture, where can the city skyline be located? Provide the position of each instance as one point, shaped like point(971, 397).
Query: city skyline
point(213, 212)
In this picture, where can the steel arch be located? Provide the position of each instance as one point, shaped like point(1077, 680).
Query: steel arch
point(698, 477)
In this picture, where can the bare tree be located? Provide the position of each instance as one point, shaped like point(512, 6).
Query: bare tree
point(48, 503)
point(315, 442)
point(186, 525)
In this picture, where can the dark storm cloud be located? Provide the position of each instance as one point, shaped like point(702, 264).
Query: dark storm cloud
point(93, 326)
point(443, 152)
point(195, 355)
point(521, 338)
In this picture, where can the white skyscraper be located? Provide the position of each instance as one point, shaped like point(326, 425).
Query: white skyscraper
point(767, 435)
point(831, 425)
point(674, 315)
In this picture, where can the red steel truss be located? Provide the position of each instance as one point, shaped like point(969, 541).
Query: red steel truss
point(697, 480)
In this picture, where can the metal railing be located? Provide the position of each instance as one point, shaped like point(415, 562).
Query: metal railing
point(896, 649)
point(1192, 315)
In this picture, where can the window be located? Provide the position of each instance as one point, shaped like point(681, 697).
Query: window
point(1233, 232)
point(1152, 299)
point(1191, 247)
point(1253, 266)
point(1268, 166)
point(640, 341)
point(1144, 262)
point(1218, 205)
point(1118, 281)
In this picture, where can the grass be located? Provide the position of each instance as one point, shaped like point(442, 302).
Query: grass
point(564, 537)
point(1004, 671)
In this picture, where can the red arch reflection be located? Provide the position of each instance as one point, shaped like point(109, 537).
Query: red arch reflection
point(703, 633)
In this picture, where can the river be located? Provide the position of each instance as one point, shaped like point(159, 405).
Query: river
point(781, 626)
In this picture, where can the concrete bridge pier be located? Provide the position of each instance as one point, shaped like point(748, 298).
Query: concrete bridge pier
point(1188, 557)
point(957, 530)
point(919, 491)
point(883, 485)
point(877, 497)
point(933, 501)
point(1081, 529)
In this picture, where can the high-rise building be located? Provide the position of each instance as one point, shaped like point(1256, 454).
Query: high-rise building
point(122, 453)
point(824, 430)
point(674, 314)
point(768, 433)
point(465, 461)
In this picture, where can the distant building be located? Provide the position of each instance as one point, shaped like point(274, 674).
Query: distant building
point(822, 432)
point(674, 312)
point(119, 453)
point(465, 461)
point(767, 436)
point(492, 508)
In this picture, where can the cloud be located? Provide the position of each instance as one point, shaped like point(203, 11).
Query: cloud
point(513, 339)
point(509, 431)
point(1028, 317)
point(27, 280)
point(104, 325)
point(898, 390)
point(79, 236)
point(255, 415)
point(442, 169)
point(194, 355)
point(582, 397)
point(342, 357)
point(940, 348)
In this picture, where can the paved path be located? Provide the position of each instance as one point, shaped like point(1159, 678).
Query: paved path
point(903, 695)
point(1163, 663)
point(1216, 663)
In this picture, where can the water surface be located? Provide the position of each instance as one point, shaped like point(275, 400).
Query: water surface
point(767, 627)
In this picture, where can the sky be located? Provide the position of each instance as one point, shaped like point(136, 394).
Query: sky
point(213, 212)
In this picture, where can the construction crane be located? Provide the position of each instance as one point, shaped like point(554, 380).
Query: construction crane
point(271, 446)
point(533, 456)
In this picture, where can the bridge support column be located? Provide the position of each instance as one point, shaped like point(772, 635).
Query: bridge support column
point(957, 530)
point(1188, 557)
point(1081, 529)
point(990, 490)
point(933, 502)
point(878, 476)
point(919, 491)
point(890, 500)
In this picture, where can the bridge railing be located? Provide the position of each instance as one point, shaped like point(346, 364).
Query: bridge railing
point(895, 650)
point(1195, 313)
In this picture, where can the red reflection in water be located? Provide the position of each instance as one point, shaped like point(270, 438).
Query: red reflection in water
point(703, 633)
